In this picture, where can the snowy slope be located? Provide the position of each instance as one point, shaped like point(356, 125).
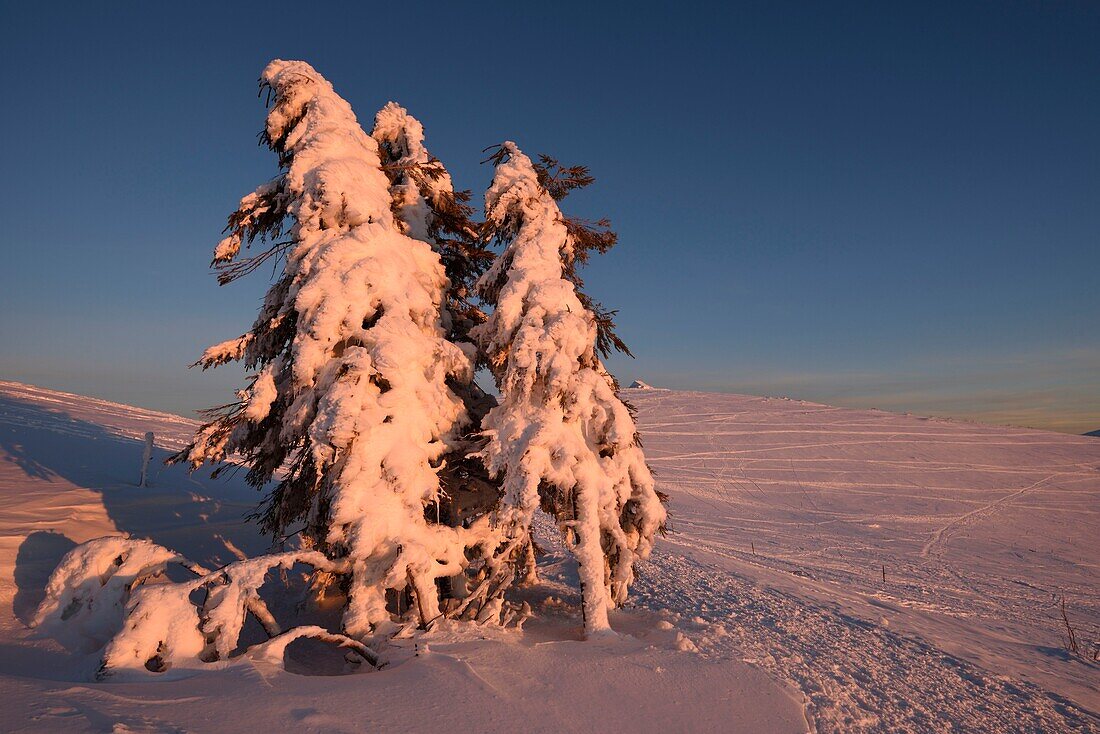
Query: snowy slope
point(68, 472)
point(784, 515)
point(788, 513)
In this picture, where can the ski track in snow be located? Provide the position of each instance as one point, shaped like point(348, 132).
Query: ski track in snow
point(854, 673)
point(942, 535)
point(782, 526)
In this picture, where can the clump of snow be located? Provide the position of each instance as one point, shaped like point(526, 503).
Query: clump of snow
point(87, 593)
point(251, 213)
point(227, 249)
point(230, 350)
point(260, 397)
point(684, 643)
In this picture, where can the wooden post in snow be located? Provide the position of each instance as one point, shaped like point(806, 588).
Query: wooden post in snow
point(146, 456)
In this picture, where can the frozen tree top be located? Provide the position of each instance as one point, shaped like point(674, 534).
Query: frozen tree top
point(334, 171)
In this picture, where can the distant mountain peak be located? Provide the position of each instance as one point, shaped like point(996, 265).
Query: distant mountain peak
point(1090, 433)
point(639, 385)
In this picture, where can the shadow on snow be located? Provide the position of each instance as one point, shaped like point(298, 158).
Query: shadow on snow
point(202, 518)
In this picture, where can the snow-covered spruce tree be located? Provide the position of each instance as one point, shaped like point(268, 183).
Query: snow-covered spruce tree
point(385, 458)
point(353, 397)
point(560, 437)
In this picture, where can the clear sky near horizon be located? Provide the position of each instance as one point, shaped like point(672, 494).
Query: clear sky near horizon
point(866, 204)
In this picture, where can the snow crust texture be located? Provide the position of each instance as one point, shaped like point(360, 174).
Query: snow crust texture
point(788, 515)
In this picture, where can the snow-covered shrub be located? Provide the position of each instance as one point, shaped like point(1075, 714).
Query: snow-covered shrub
point(165, 627)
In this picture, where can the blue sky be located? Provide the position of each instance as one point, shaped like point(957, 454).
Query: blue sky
point(878, 205)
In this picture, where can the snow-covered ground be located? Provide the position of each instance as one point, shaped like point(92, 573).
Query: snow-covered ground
point(764, 609)
point(789, 514)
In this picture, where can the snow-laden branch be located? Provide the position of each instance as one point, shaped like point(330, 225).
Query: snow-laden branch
point(110, 594)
